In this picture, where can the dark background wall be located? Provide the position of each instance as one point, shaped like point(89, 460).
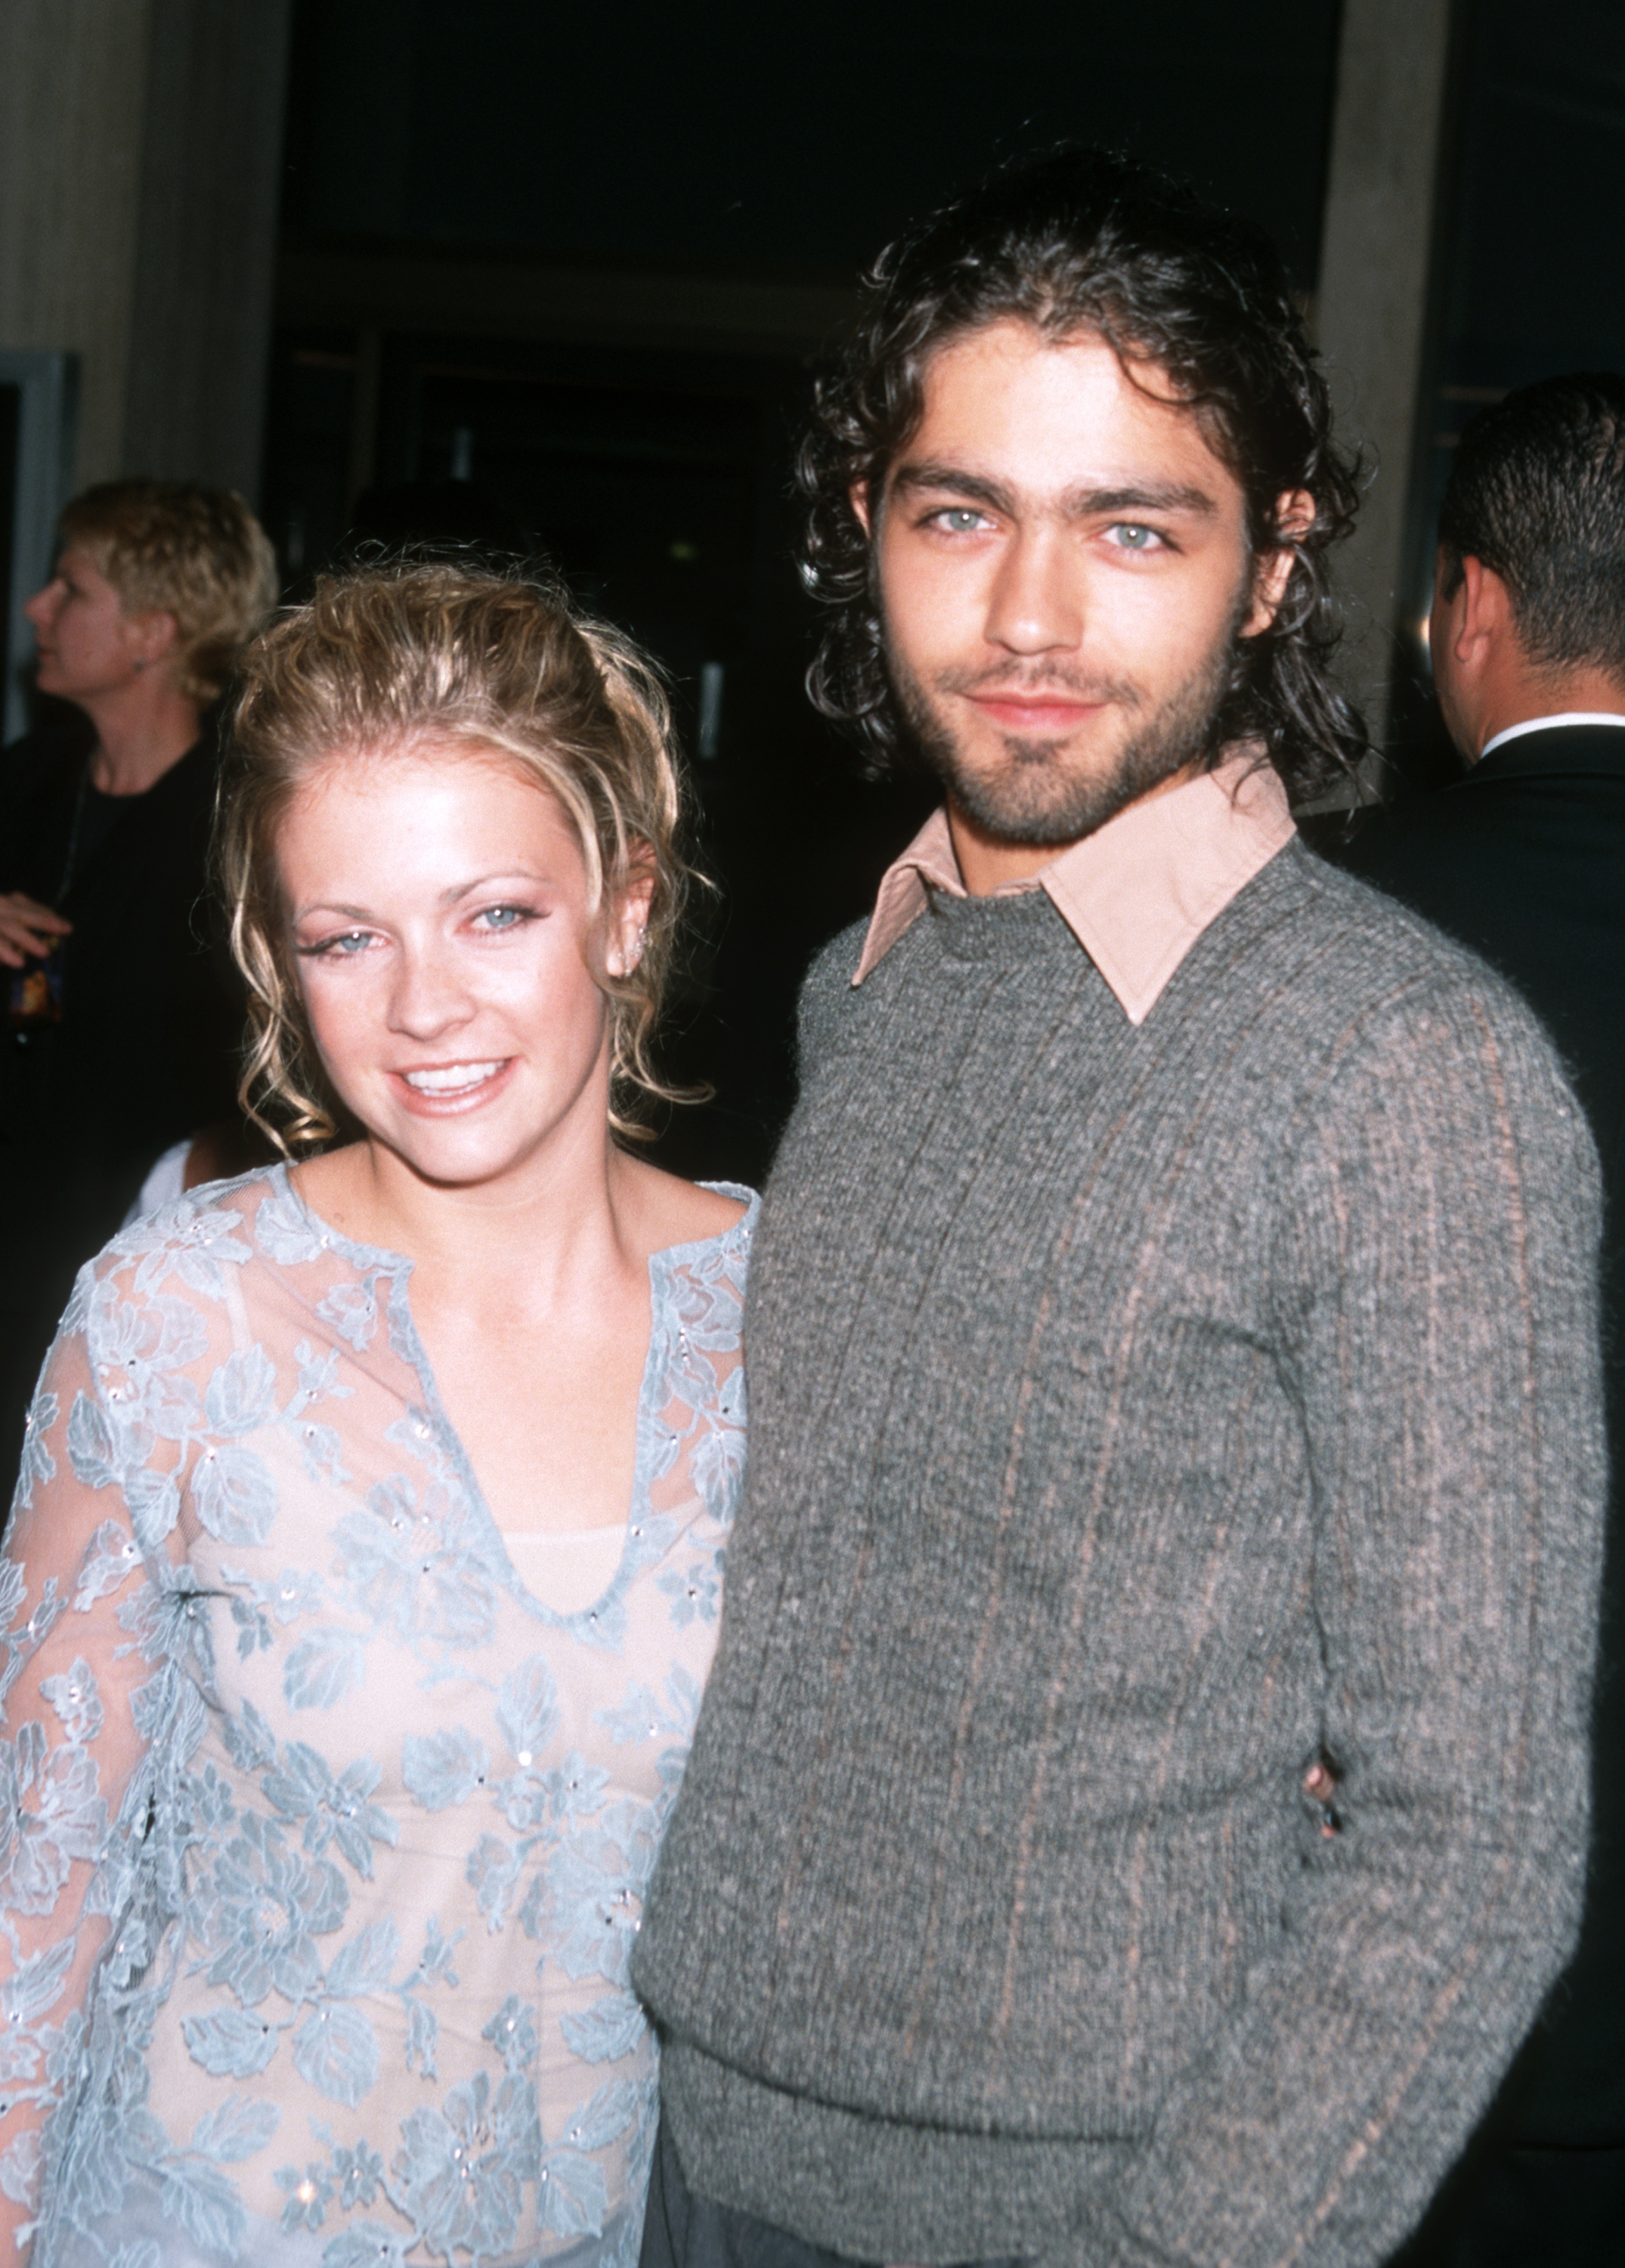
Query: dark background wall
point(575, 267)
point(789, 137)
point(678, 203)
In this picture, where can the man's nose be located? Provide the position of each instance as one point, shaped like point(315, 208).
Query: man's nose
point(1036, 602)
point(41, 606)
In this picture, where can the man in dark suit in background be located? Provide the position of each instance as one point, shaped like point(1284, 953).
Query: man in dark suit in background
point(1524, 860)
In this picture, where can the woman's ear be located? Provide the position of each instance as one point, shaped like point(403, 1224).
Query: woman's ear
point(151, 636)
point(630, 920)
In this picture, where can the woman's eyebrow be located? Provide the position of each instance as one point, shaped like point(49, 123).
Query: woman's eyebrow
point(526, 876)
point(330, 906)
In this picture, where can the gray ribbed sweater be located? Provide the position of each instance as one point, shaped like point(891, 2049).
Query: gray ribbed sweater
point(1134, 1413)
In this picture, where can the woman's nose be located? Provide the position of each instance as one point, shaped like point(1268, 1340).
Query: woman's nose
point(429, 996)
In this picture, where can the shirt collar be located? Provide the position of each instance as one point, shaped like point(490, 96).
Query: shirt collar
point(1551, 723)
point(1137, 894)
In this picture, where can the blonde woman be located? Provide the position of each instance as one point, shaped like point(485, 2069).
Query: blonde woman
point(363, 1575)
point(123, 1028)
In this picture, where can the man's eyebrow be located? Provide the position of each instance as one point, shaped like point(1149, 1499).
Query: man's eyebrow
point(1080, 502)
point(910, 479)
point(1143, 496)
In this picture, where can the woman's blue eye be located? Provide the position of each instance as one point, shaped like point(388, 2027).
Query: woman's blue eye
point(502, 917)
point(353, 941)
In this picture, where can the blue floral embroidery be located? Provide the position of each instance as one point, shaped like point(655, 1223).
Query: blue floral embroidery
point(363, 1826)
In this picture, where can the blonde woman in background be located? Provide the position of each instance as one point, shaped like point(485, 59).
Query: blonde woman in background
point(363, 1574)
point(121, 1027)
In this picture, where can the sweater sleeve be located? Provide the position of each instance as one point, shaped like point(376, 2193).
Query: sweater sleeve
point(1439, 1217)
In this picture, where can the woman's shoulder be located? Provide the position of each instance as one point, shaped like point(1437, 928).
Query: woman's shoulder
point(187, 1238)
point(670, 1213)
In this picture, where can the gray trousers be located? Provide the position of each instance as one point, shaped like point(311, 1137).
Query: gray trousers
point(681, 2230)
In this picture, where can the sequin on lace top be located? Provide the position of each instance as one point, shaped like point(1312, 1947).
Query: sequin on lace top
point(325, 1840)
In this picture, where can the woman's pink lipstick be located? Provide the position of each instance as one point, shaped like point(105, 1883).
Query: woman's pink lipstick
point(453, 1087)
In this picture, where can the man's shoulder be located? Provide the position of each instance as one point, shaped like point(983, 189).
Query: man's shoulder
point(1560, 790)
point(833, 965)
point(1345, 980)
point(827, 981)
point(1340, 933)
point(1363, 942)
point(1524, 867)
point(1384, 1002)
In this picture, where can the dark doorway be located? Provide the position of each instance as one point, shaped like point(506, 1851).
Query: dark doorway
point(657, 483)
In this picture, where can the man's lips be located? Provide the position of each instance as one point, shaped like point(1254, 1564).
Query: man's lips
point(1035, 712)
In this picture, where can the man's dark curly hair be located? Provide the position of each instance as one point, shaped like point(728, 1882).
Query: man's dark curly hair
point(1086, 241)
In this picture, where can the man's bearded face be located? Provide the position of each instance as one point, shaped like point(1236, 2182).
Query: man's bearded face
point(1064, 575)
point(1040, 790)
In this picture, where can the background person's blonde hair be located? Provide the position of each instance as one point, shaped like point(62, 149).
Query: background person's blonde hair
point(384, 659)
point(178, 548)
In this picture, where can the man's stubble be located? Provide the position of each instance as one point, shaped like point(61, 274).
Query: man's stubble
point(1037, 795)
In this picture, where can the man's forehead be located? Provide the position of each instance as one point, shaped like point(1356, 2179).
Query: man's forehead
point(1013, 338)
point(1067, 411)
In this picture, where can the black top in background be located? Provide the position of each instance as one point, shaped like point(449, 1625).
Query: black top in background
point(147, 1049)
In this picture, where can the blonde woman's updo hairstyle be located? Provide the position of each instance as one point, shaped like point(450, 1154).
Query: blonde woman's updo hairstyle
point(380, 661)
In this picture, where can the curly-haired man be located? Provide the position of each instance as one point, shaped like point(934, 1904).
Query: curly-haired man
point(1174, 1367)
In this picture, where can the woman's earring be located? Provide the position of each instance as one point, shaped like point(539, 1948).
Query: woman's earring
point(622, 962)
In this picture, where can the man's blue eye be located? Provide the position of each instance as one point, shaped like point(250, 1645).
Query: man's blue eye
point(960, 518)
point(1135, 539)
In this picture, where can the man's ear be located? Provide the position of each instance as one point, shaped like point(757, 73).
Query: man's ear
point(858, 496)
point(1294, 517)
point(1485, 607)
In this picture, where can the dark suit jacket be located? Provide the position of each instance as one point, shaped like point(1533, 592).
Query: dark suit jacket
point(1524, 860)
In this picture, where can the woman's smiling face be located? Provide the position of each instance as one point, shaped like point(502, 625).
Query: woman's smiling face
point(449, 955)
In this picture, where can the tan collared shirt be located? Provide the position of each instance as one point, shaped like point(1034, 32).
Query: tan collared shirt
point(1138, 893)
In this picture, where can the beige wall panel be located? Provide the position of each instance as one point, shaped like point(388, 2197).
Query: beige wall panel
point(205, 254)
point(1371, 305)
point(140, 157)
point(72, 77)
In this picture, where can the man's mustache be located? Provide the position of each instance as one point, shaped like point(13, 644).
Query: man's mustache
point(1052, 682)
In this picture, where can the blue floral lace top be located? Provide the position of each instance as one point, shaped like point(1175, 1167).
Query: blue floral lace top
point(324, 1839)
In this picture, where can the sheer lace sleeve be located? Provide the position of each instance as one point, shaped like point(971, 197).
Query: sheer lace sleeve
point(326, 1837)
point(73, 1588)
